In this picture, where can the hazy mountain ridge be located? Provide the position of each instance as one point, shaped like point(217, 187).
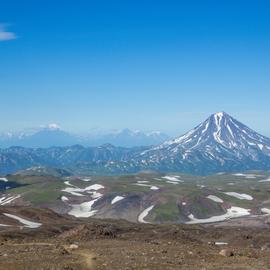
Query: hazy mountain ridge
point(53, 135)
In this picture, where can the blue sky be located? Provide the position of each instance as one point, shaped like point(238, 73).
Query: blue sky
point(150, 65)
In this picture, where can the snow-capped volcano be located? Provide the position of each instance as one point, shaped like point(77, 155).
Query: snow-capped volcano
point(219, 143)
point(223, 130)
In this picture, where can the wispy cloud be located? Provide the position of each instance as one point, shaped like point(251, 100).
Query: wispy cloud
point(6, 35)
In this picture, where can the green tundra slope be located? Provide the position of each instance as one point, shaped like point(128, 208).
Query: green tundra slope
point(145, 197)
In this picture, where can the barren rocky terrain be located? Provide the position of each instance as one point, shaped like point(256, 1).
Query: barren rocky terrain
point(63, 242)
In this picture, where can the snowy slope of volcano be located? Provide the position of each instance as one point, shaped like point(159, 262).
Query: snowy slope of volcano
point(221, 143)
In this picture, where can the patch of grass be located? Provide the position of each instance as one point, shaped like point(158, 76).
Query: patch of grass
point(40, 193)
point(166, 212)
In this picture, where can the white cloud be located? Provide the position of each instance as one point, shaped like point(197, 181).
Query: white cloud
point(6, 35)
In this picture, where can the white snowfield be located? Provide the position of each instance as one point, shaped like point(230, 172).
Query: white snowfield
point(265, 180)
point(171, 182)
point(95, 194)
point(8, 199)
point(146, 185)
point(215, 198)
point(233, 212)
point(247, 175)
point(240, 196)
point(142, 182)
point(144, 213)
point(4, 225)
point(83, 210)
point(64, 199)
point(94, 187)
point(25, 222)
point(76, 191)
point(239, 174)
point(3, 179)
point(173, 178)
point(266, 211)
point(141, 185)
point(86, 179)
point(68, 184)
point(117, 199)
point(221, 243)
point(73, 191)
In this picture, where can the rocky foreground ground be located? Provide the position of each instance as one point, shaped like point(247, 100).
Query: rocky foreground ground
point(66, 243)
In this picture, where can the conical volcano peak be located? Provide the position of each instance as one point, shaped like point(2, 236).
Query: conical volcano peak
point(220, 143)
point(221, 130)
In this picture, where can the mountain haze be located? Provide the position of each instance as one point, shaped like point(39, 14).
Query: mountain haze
point(53, 135)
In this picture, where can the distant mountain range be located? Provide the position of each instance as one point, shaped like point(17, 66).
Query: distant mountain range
point(219, 144)
point(54, 136)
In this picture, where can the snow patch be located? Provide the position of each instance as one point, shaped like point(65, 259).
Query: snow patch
point(144, 213)
point(265, 180)
point(173, 178)
point(94, 187)
point(88, 179)
point(68, 184)
point(145, 185)
point(76, 191)
point(64, 198)
point(95, 194)
point(117, 199)
point(215, 198)
point(25, 222)
point(221, 243)
point(6, 200)
point(266, 211)
point(142, 185)
point(73, 191)
point(4, 225)
point(83, 210)
point(233, 212)
point(171, 182)
point(249, 176)
point(240, 196)
point(141, 182)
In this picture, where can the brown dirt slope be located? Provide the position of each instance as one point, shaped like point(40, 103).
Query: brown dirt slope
point(65, 243)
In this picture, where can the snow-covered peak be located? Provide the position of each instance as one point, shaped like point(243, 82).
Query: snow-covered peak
point(53, 126)
point(221, 114)
point(220, 132)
